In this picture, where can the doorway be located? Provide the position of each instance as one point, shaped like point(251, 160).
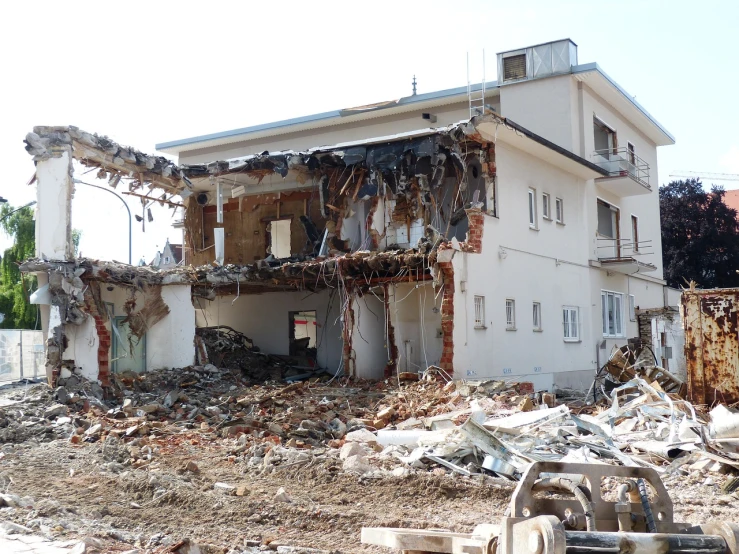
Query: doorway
point(129, 353)
point(303, 332)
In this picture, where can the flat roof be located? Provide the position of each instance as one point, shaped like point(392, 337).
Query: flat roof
point(354, 114)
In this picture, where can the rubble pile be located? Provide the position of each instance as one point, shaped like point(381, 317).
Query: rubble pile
point(223, 346)
point(466, 428)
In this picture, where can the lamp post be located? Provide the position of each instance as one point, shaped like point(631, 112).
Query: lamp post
point(130, 223)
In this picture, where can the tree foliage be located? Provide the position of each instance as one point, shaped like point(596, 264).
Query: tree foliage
point(700, 236)
point(14, 288)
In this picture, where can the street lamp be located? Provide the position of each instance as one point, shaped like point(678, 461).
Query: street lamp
point(124, 203)
point(3, 200)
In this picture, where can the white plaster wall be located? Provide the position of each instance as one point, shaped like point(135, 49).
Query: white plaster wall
point(416, 325)
point(265, 319)
point(368, 339)
point(53, 207)
point(550, 265)
point(170, 343)
point(82, 347)
point(543, 106)
point(646, 206)
point(675, 338)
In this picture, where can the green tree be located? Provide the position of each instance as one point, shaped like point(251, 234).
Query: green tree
point(700, 236)
point(15, 289)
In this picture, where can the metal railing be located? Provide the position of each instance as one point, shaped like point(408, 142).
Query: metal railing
point(614, 249)
point(622, 161)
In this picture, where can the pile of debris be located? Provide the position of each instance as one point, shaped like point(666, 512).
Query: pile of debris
point(395, 426)
point(224, 346)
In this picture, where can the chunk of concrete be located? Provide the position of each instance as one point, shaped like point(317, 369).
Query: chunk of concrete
point(351, 449)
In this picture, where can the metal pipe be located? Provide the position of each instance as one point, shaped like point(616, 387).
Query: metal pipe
point(581, 493)
point(582, 542)
point(130, 218)
point(648, 515)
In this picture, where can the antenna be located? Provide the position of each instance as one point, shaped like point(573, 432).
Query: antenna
point(414, 85)
point(475, 96)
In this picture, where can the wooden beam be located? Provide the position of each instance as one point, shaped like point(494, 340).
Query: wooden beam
point(176, 205)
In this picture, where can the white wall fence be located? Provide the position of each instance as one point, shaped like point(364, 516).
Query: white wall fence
point(21, 355)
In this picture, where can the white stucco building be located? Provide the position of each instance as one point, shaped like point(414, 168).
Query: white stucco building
point(537, 214)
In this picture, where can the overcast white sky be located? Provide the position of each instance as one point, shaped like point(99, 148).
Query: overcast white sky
point(149, 72)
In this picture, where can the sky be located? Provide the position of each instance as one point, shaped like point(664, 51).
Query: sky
point(143, 73)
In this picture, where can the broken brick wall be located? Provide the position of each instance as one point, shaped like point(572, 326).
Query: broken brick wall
point(96, 310)
point(446, 270)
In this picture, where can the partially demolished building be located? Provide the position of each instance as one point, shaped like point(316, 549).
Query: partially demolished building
point(512, 239)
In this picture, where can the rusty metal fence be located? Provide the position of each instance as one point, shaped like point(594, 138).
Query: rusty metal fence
point(21, 355)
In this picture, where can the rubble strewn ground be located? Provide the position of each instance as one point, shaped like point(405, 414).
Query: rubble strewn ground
point(201, 459)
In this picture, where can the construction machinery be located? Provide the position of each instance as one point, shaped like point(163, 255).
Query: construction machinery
point(559, 508)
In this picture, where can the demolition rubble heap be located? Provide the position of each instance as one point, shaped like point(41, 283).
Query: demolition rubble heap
point(401, 428)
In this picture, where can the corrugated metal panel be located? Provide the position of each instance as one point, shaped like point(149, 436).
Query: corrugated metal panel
point(712, 345)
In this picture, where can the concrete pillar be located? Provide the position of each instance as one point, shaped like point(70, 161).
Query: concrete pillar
point(54, 190)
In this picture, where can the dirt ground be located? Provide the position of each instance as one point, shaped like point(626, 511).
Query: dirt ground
point(74, 487)
point(70, 484)
point(91, 489)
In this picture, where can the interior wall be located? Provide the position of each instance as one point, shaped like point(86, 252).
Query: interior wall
point(82, 347)
point(417, 325)
point(246, 229)
point(368, 339)
point(170, 343)
point(265, 318)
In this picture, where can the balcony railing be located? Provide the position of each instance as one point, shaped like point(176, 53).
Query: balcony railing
point(622, 162)
point(621, 255)
point(614, 249)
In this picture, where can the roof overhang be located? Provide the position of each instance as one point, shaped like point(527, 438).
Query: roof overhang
point(495, 128)
point(326, 119)
point(611, 92)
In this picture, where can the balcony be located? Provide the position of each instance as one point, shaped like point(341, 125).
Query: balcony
point(628, 174)
point(621, 256)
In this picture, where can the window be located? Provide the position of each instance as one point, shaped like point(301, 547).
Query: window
point(545, 203)
point(571, 323)
point(510, 314)
point(635, 233)
point(632, 308)
point(532, 208)
point(607, 220)
point(479, 312)
point(632, 153)
point(166, 259)
point(514, 67)
point(604, 138)
point(559, 210)
point(612, 307)
point(537, 316)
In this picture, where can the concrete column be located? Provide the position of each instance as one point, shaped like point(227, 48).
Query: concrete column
point(54, 190)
